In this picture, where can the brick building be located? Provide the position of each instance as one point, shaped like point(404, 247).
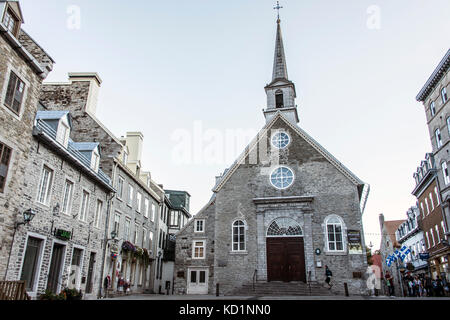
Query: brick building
point(281, 212)
point(431, 218)
point(435, 96)
point(23, 66)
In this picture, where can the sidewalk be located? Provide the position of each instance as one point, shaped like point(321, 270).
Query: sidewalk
point(213, 297)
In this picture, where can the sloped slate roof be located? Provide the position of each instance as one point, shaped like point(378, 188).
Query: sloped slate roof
point(53, 115)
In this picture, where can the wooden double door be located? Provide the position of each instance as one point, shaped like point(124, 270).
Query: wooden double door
point(286, 259)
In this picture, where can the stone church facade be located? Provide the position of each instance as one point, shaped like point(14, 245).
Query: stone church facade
point(281, 212)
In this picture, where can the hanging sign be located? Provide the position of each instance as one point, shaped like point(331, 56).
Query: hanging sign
point(354, 242)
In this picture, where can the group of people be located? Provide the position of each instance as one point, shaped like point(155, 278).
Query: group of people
point(419, 285)
point(123, 286)
point(423, 285)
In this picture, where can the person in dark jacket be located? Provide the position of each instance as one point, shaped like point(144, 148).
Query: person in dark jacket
point(328, 275)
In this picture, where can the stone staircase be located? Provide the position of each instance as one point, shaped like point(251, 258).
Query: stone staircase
point(278, 288)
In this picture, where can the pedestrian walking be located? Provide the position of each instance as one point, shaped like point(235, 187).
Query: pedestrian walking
point(417, 285)
point(390, 283)
point(328, 275)
point(428, 286)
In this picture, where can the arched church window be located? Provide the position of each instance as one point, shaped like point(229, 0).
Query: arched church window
point(284, 227)
point(280, 140)
point(335, 240)
point(238, 235)
point(279, 99)
point(282, 177)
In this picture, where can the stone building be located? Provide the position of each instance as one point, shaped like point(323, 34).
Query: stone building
point(23, 66)
point(281, 212)
point(134, 211)
point(63, 245)
point(431, 218)
point(435, 96)
point(410, 235)
point(388, 246)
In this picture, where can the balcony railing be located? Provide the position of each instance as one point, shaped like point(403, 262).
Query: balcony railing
point(49, 131)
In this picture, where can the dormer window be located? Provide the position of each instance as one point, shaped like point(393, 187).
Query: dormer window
point(279, 100)
point(11, 22)
point(125, 157)
point(62, 135)
point(95, 161)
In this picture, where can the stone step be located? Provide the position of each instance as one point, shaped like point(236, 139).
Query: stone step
point(282, 288)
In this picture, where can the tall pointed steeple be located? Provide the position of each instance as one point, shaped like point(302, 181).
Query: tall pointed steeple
point(279, 61)
point(280, 92)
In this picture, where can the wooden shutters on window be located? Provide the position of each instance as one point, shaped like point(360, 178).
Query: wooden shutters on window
point(5, 157)
point(14, 93)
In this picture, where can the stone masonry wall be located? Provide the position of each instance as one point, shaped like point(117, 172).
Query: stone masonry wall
point(84, 234)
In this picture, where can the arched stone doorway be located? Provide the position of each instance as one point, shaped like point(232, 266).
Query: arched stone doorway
point(285, 251)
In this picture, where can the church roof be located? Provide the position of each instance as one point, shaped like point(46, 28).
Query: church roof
point(336, 163)
point(279, 62)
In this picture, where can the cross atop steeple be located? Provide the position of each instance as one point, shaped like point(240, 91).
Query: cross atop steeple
point(278, 7)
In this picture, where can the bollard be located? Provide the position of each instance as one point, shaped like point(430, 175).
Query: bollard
point(217, 290)
point(346, 289)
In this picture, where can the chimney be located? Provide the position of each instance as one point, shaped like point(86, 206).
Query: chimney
point(134, 142)
point(94, 87)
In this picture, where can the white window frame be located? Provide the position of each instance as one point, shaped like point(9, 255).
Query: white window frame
point(117, 218)
point(432, 108)
point(431, 201)
point(437, 135)
point(343, 233)
point(448, 125)
point(428, 208)
point(445, 172)
point(139, 201)
point(196, 225)
point(239, 249)
point(68, 208)
point(437, 196)
point(437, 233)
point(47, 191)
point(130, 195)
point(95, 160)
point(63, 133)
point(98, 213)
point(432, 236)
point(194, 246)
point(127, 228)
point(144, 237)
point(444, 95)
point(146, 207)
point(136, 233)
point(153, 212)
point(120, 185)
point(83, 216)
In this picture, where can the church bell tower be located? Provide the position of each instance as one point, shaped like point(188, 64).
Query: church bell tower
point(280, 92)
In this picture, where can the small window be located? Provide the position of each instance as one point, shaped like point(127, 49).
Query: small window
point(11, 22)
point(98, 213)
point(238, 236)
point(280, 140)
point(432, 237)
point(444, 95)
point(136, 233)
point(95, 160)
point(438, 235)
point(127, 229)
point(144, 238)
point(432, 108)
point(445, 172)
point(431, 201)
point(120, 183)
point(45, 185)
point(334, 234)
point(437, 135)
point(426, 204)
point(279, 103)
point(448, 125)
point(139, 201)
point(67, 199)
point(14, 93)
point(125, 157)
point(84, 206)
point(63, 134)
point(146, 207)
point(199, 225)
point(198, 250)
point(130, 195)
point(5, 157)
point(282, 178)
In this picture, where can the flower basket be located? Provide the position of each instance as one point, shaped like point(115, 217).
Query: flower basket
point(128, 246)
point(139, 253)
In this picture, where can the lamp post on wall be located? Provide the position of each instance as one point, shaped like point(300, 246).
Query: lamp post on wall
point(28, 216)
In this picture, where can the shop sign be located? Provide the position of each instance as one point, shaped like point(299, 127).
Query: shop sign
point(424, 256)
point(63, 234)
point(354, 242)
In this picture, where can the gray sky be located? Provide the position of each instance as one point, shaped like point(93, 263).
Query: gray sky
point(182, 66)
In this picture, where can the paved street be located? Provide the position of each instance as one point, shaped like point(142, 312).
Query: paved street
point(213, 297)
